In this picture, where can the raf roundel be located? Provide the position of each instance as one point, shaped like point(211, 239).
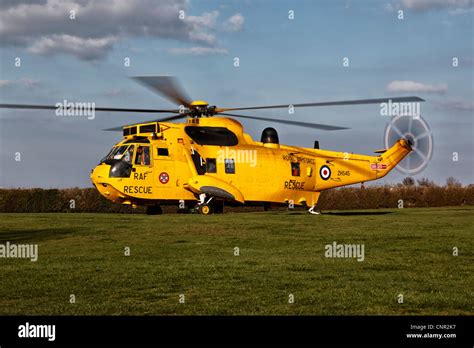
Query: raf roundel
point(164, 178)
point(325, 172)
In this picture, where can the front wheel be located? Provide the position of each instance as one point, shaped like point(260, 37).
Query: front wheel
point(205, 209)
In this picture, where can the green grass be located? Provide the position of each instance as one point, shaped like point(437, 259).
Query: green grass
point(407, 251)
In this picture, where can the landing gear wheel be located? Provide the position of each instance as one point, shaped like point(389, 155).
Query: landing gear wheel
point(205, 209)
point(154, 210)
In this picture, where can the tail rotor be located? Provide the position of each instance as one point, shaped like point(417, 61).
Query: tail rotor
point(418, 134)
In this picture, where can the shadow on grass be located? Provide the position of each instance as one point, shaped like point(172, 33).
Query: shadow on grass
point(15, 236)
point(350, 213)
point(342, 213)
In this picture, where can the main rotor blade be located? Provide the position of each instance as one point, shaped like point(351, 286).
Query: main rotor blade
point(49, 107)
point(170, 118)
point(331, 103)
point(293, 123)
point(167, 86)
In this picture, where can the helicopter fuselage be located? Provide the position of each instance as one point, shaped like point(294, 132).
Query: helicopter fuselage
point(167, 163)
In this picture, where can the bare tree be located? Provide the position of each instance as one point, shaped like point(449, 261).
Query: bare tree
point(453, 182)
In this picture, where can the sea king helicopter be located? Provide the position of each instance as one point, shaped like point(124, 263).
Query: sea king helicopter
point(209, 160)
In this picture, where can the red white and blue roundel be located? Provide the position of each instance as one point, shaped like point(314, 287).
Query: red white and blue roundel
point(325, 172)
point(164, 178)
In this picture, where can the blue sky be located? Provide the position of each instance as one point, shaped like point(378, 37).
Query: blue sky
point(281, 61)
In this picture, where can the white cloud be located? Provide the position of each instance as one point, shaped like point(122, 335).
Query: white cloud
point(45, 27)
point(84, 48)
point(234, 23)
point(24, 82)
point(198, 51)
point(416, 87)
point(428, 5)
point(456, 104)
point(5, 83)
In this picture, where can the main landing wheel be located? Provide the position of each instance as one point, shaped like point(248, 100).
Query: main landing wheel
point(205, 209)
point(154, 210)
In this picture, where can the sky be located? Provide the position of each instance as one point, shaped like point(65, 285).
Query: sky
point(289, 52)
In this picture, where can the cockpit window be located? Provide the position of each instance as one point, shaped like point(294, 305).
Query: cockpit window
point(127, 157)
point(120, 151)
point(143, 155)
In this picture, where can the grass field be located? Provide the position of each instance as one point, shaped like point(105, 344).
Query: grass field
point(407, 251)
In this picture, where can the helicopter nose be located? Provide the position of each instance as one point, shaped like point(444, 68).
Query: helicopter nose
point(99, 174)
point(100, 179)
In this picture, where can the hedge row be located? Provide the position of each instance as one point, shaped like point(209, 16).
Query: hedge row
point(392, 197)
point(89, 200)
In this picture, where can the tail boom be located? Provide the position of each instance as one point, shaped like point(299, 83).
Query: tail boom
point(346, 169)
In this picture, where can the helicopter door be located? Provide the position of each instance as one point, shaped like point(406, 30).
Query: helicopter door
point(142, 171)
point(163, 168)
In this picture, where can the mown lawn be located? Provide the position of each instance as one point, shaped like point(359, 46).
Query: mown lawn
point(407, 251)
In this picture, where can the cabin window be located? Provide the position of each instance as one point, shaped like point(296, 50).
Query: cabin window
point(229, 166)
point(149, 128)
point(218, 136)
point(211, 166)
point(295, 169)
point(163, 151)
point(142, 157)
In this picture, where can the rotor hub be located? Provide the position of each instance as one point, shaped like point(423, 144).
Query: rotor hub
point(199, 108)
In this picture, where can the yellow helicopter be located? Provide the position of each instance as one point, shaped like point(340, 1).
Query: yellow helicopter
point(209, 161)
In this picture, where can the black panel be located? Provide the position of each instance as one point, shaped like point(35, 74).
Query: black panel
point(133, 130)
point(141, 140)
point(198, 163)
point(163, 151)
point(218, 136)
point(149, 128)
point(120, 169)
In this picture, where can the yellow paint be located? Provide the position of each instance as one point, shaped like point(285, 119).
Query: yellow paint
point(269, 177)
point(199, 103)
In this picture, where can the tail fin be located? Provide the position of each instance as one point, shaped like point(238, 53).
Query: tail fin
point(384, 163)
